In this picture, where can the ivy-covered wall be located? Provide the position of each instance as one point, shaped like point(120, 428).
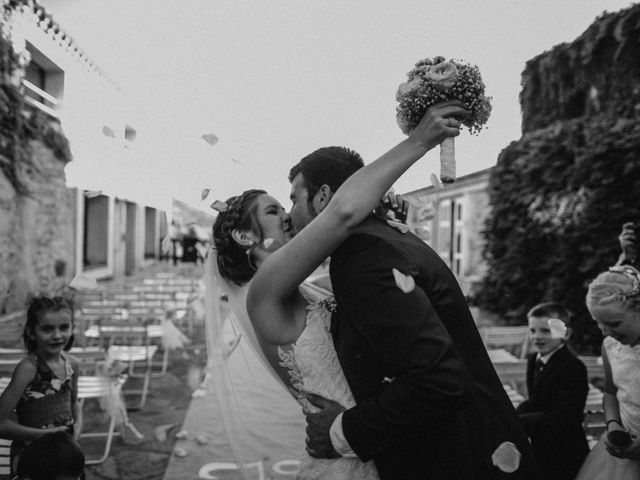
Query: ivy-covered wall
point(560, 194)
point(37, 210)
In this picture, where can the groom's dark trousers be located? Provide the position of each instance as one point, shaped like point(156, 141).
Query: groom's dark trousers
point(429, 402)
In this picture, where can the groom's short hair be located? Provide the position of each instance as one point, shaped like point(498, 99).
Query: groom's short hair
point(326, 166)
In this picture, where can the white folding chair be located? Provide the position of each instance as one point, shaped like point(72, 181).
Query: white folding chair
point(100, 387)
point(510, 338)
point(130, 344)
point(5, 444)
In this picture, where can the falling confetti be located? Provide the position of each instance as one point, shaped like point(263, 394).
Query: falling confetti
point(267, 242)
point(506, 457)
point(219, 206)
point(404, 282)
point(210, 138)
point(205, 193)
point(558, 328)
point(403, 227)
point(435, 181)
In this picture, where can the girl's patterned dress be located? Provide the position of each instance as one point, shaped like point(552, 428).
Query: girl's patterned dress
point(46, 402)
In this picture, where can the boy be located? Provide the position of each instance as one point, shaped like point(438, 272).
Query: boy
point(557, 384)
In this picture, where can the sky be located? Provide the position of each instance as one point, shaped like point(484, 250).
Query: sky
point(275, 80)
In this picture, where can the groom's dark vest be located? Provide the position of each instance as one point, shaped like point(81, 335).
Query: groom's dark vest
point(429, 403)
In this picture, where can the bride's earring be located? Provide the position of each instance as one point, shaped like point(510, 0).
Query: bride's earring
point(248, 253)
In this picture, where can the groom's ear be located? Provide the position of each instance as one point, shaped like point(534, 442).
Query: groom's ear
point(242, 237)
point(322, 198)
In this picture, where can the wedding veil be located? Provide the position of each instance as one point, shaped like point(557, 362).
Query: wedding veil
point(263, 424)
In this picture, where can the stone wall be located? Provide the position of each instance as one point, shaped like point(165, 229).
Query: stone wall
point(37, 241)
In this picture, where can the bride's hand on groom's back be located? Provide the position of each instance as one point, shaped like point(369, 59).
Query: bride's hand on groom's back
point(318, 442)
point(440, 121)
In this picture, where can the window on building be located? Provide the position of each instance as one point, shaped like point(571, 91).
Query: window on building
point(150, 234)
point(96, 231)
point(450, 233)
point(444, 230)
point(43, 83)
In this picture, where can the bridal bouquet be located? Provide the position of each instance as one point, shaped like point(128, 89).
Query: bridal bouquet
point(436, 80)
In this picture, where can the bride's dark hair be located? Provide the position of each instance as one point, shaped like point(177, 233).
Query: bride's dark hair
point(234, 260)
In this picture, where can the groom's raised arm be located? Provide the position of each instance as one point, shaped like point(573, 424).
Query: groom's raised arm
point(422, 380)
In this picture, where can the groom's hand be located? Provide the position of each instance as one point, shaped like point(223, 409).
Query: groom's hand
point(318, 425)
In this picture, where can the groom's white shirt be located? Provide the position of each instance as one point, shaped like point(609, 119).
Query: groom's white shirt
point(338, 440)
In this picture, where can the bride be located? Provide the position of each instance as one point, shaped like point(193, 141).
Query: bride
point(289, 312)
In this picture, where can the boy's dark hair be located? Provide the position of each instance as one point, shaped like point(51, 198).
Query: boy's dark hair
point(326, 166)
point(38, 307)
point(51, 456)
point(551, 310)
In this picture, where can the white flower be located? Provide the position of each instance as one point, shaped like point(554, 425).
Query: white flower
point(402, 227)
point(558, 328)
point(403, 282)
point(506, 457)
point(408, 87)
point(442, 76)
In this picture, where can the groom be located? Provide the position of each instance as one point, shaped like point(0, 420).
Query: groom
point(429, 403)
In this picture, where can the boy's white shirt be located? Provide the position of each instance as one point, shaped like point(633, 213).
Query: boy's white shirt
point(545, 358)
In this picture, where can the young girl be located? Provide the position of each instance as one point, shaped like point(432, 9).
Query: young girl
point(613, 300)
point(44, 385)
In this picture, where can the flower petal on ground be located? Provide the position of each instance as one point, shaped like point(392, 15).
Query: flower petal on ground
point(180, 452)
point(404, 282)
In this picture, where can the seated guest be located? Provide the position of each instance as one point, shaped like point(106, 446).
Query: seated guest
point(558, 386)
point(52, 456)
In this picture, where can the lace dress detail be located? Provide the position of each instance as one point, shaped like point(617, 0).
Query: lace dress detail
point(313, 367)
point(625, 364)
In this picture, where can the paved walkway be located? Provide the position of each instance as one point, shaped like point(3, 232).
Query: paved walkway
point(272, 433)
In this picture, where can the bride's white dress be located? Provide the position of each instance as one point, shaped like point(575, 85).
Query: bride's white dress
point(313, 366)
